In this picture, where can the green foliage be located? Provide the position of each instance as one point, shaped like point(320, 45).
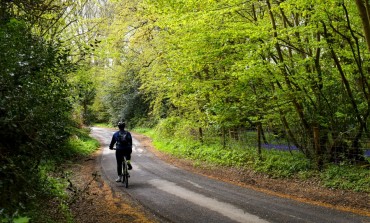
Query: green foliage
point(18, 219)
point(282, 163)
point(79, 144)
point(125, 100)
point(34, 109)
point(236, 64)
point(36, 104)
point(84, 92)
point(117, 95)
point(104, 125)
point(45, 188)
point(346, 177)
point(21, 220)
point(276, 163)
point(167, 127)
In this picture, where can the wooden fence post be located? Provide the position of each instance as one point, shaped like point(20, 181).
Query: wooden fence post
point(224, 137)
point(259, 152)
point(318, 154)
point(200, 130)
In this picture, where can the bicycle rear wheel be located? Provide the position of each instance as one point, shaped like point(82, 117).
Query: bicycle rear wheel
point(126, 179)
point(125, 173)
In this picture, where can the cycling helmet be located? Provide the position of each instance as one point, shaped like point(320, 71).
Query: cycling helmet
point(121, 125)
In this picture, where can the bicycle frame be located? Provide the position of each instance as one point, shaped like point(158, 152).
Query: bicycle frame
point(125, 174)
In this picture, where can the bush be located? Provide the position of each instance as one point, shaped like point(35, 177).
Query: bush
point(277, 163)
point(346, 177)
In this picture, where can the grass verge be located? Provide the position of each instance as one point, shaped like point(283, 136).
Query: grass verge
point(274, 163)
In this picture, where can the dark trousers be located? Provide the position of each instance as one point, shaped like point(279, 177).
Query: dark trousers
point(120, 153)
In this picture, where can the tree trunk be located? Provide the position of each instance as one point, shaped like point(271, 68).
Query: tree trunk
point(4, 14)
point(200, 134)
point(364, 11)
point(318, 153)
point(259, 152)
point(223, 138)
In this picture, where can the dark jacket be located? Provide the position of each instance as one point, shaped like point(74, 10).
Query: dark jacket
point(119, 146)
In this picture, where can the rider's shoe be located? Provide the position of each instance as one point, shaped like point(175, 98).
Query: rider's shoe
point(119, 179)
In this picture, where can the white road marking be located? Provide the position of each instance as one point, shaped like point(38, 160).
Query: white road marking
point(137, 150)
point(223, 208)
point(194, 184)
point(106, 150)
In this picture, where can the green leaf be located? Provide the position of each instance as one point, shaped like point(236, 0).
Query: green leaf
point(21, 220)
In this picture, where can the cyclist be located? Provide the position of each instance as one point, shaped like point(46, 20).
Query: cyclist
point(123, 141)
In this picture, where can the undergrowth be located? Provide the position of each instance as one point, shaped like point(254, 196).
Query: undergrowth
point(274, 163)
point(45, 199)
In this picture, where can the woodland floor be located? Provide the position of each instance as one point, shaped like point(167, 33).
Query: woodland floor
point(98, 201)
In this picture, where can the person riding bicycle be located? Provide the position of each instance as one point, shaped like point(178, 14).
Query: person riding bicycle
point(123, 141)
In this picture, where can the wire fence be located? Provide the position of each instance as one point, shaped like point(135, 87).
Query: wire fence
point(334, 146)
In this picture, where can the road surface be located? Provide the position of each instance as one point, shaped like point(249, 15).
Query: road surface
point(176, 195)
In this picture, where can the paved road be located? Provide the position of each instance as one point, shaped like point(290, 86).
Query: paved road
point(176, 195)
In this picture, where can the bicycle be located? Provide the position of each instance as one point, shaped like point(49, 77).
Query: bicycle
point(125, 175)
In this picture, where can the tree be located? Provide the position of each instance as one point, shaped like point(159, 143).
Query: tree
point(35, 105)
point(292, 66)
point(281, 56)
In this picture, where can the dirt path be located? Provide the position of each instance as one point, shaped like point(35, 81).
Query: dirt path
point(98, 201)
